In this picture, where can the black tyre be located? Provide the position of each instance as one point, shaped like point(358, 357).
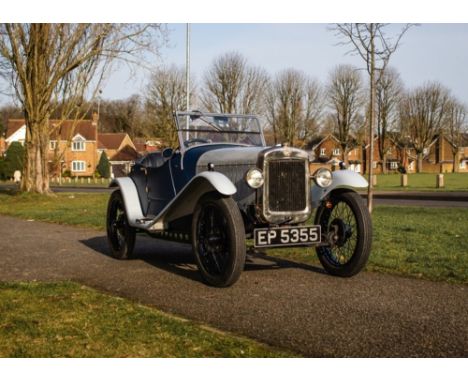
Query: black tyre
point(120, 235)
point(218, 240)
point(346, 224)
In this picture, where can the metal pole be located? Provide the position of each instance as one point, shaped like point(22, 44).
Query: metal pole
point(187, 68)
point(187, 76)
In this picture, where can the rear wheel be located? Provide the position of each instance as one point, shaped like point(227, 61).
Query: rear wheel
point(120, 235)
point(347, 227)
point(218, 240)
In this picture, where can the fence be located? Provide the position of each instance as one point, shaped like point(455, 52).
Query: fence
point(74, 181)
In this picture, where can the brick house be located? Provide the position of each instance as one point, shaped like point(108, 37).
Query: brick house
point(148, 145)
point(396, 157)
point(120, 151)
point(462, 160)
point(72, 145)
point(438, 156)
point(327, 150)
point(2, 146)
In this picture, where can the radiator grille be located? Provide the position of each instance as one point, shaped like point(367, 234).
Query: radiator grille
point(286, 185)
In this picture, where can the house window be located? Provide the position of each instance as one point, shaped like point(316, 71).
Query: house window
point(52, 145)
point(322, 152)
point(425, 151)
point(336, 151)
point(78, 166)
point(411, 166)
point(78, 145)
point(393, 165)
point(374, 164)
point(463, 164)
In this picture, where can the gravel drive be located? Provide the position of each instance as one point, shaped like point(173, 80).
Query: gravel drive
point(278, 302)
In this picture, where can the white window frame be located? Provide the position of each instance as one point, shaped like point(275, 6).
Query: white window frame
point(52, 145)
point(79, 143)
point(393, 165)
point(78, 166)
point(336, 152)
point(374, 164)
point(425, 151)
point(322, 152)
point(463, 164)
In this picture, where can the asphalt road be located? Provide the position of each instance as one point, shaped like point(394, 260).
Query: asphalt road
point(282, 303)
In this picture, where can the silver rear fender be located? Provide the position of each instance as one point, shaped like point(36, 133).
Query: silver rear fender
point(130, 198)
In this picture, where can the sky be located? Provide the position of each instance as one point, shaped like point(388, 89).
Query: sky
point(428, 52)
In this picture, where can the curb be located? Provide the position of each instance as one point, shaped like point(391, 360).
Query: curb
point(438, 196)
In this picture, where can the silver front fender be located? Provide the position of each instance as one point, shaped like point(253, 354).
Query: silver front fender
point(183, 203)
point(341, 179)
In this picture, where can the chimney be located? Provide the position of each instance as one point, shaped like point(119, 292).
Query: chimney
point(95, 123)
point(95, 118)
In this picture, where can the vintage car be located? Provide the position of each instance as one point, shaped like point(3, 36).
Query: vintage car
point(223, 186)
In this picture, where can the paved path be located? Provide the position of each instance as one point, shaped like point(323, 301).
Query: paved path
point(278, 302)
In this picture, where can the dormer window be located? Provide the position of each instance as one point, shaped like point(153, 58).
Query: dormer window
point(78, 143)
point(336, 151)
point(322, 152)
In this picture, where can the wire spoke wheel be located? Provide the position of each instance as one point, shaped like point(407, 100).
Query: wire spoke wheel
point(213, 243)
point(346, 227)
point(218, 240)
point(120, 235)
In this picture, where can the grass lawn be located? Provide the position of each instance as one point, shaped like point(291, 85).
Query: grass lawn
point(423, 182)
point(83, 209)
point(69, 320)
point(429, 243)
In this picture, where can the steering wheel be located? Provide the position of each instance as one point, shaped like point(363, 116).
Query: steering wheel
point(196, 140)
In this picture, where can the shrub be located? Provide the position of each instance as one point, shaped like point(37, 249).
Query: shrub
point(103, 166)
point(14, 159)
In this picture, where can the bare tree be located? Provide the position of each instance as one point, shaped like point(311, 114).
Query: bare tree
point(61, 64)
point(422, 115)
point(122, 115)
point(313, 109)
point(375, 47)
point(294, 106)
point(165, 93)
point(223, 83)
point(344, 93)
point(232, 86)
point(388, 93)
point(454, 126)
point(253, 91)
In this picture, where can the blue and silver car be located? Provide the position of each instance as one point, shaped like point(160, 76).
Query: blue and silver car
point(223, 185)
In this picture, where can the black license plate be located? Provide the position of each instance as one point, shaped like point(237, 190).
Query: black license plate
point(287, 236)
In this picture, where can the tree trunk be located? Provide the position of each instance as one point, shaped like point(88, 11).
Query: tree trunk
point(35, 170)
point(384, 164)
point(454, 167)
point(419, 162)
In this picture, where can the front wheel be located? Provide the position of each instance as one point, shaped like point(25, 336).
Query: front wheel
point(218, 240)
point(346, 226)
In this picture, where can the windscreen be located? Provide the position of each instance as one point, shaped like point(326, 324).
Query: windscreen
point(196, 129)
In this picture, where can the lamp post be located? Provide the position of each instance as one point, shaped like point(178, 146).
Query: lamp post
point(187, 76)
point(187, 68)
